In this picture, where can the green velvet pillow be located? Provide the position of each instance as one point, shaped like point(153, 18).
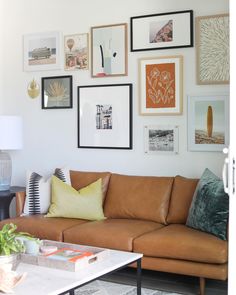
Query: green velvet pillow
point(70, 203)
point(210, 206)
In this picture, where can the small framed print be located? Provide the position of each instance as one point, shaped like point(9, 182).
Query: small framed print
point(213, 52)
point(161, 139)
point(208, 122)
point(42, 51)
point(109, 50)
point(161, 83)
point(162, 31)
point(105, 116)
point(76, 52)
point(57, 92)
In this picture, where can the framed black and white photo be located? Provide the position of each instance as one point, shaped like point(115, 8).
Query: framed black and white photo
point(42, 51)
point(105, 116)
point(162, 31)
point(161, 139)
point(57, 92)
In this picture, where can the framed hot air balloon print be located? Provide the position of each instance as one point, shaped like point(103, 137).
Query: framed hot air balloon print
point(76, 52)
point(208, 122)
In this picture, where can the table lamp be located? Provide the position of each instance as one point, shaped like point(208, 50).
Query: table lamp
point(10, 139)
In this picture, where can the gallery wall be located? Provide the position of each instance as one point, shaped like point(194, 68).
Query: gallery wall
point(50, 136)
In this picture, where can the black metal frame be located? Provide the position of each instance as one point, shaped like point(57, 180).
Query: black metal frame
point(70, 92)
point(160, 14)
point(139, 278)
point(130, 146)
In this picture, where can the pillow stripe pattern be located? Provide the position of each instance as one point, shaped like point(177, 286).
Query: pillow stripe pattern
point(59, 173)
point(34, 199)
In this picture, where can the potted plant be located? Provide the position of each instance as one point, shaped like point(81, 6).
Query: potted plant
point(10, 244)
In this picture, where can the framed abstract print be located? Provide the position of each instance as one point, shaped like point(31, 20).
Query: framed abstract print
point(161, 83)
point(109, 50)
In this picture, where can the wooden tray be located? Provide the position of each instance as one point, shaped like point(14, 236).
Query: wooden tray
point(98, 255)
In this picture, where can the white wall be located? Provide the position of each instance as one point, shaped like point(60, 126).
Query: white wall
point(50, 136)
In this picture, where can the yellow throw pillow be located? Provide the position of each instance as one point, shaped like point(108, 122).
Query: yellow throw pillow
point(70, 203)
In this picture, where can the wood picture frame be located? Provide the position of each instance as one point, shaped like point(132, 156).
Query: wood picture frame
point(109, 51)
point(161, 85)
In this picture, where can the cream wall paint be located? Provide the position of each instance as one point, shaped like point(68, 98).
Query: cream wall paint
point(50, 136)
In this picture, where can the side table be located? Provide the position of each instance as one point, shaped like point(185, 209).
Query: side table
point(6, 198)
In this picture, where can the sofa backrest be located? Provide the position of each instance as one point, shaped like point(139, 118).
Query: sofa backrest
point(138, 197)
point(181, 198)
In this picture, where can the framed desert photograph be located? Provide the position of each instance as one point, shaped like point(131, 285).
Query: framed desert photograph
point(161, 139)
point(161, 83)
point(105, 116)
point(57, 92)
point(42, 51)
point(212, 45)
point(109, 50)
point(76, 52)
point(208, 122)
point(162, 31)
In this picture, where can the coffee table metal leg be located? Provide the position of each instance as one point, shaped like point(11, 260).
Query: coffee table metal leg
point(139, 276)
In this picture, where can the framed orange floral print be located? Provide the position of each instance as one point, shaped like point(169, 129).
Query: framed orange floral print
point(161, 85)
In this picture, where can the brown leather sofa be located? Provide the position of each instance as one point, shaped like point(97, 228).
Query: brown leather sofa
point(144, 214)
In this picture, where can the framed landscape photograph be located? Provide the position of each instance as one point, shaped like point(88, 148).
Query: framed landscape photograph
point(212, 40)
point(57, 92)
point(76, 52)
point(161, 139)
point(109, 50)
point(162, 31)
point(42, 51)
point(161, 85)
point(208, 122)
point(105, 116)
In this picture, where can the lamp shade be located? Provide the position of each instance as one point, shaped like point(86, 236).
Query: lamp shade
point(11, 133)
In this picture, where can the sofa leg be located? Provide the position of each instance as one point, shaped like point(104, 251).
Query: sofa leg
point(202, 286)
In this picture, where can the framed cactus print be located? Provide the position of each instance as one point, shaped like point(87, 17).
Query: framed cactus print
point(208, 122)
point(161, 85)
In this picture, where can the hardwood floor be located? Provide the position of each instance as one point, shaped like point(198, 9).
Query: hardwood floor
point(168, 282)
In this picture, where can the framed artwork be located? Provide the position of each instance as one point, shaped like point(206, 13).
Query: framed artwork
point(109, 50)
point(57, 92)
point(76, 52)
point(212, 38)
point(105, 116)
point(162, 31)
point(42, 51)
point(161, 84)
point(161, 139)
point(208, 122)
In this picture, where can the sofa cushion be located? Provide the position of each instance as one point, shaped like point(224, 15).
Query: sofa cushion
point(177, 241)
point(209, 210)
point(138, 197)
point(43, 228)
point(80, 179)
point(181, 198)
point(111, 233)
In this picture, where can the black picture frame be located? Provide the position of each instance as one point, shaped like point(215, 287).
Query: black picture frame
point(105, 116)
point(166, 32)
point(57, 92)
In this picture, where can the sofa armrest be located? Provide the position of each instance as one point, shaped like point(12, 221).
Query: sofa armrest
point(20, 202)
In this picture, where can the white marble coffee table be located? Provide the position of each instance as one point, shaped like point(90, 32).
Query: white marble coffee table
point(47, 281)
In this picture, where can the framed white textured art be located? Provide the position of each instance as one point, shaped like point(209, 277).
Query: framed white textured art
point(212, 40)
